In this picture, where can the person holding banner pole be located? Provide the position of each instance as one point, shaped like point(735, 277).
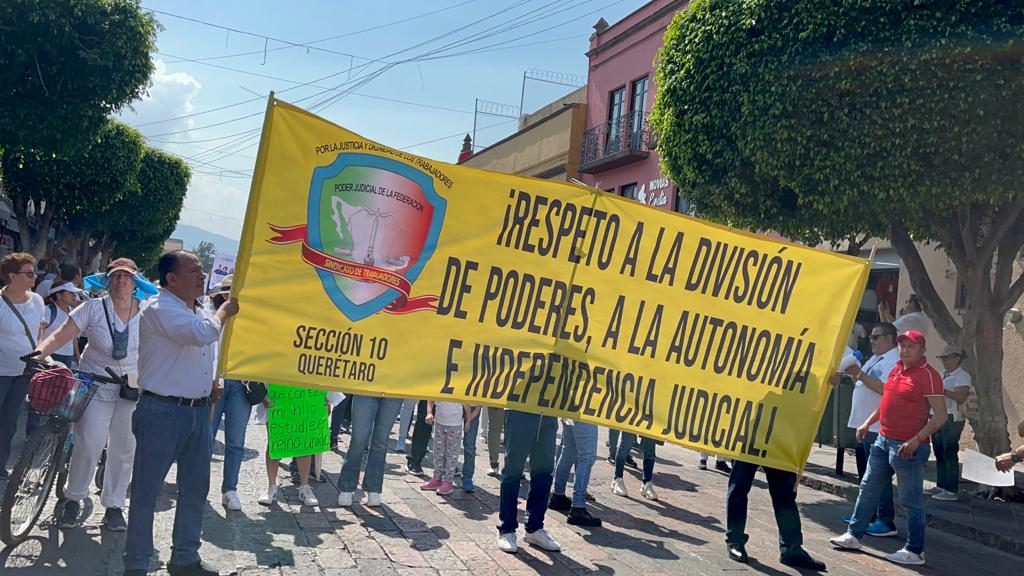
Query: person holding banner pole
point(782, 486)
point(372, 421)
point(172, 420)
point(527, 436)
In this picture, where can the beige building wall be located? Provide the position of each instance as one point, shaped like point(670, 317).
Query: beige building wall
point(547, 146)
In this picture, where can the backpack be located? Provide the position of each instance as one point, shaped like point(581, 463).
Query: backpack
point(52, 307)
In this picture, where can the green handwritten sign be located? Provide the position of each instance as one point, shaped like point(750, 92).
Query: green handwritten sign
point(297, 422)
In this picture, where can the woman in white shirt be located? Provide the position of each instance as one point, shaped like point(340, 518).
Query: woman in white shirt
point(21, 325)
point(112, 326)
point(956, 384)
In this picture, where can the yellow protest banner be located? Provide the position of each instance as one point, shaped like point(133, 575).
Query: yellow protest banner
point(366, 269)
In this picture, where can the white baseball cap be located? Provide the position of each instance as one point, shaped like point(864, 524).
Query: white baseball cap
point(65, 287)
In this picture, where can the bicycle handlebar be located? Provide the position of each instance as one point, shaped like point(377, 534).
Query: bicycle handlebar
point(114, 378)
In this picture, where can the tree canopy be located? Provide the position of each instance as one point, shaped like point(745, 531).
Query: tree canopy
point(66, 65)
point(829, 120)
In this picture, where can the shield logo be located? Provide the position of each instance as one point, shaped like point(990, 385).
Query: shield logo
point(372, 224)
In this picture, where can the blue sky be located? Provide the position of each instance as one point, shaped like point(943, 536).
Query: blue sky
point(202, 67)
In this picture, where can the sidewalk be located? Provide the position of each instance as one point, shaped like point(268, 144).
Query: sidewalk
point(992, 523)
point(423, 534)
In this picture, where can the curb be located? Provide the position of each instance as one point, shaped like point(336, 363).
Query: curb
point(849, 491)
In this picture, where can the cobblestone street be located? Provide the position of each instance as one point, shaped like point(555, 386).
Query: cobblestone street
point(417, 533)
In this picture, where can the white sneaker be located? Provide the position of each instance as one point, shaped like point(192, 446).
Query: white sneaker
point(372, 499)
point(268, 497)
point(231, 501)
point(307, 496)
point(345, 499)
point(847, 542)
point(619, 488)
point(906, 557)
point(507, 542)
point(648, 491)
point(541, 539)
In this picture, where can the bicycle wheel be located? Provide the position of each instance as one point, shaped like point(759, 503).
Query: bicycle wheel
point(30, 483)
point(64, 466)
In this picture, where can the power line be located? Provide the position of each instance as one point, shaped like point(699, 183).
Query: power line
point(345, 35)
point(456, 135)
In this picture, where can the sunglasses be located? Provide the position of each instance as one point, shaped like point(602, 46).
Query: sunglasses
point(29, 274)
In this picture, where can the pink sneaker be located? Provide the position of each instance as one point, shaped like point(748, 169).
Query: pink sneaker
point(431, 486)
point(446, 488)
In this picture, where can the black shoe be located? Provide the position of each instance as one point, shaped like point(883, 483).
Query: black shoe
point(611, 460)
point(630, 462)
point(803, 560)
point(69, 514)
point(737, 553)
point(582, 517)
point(723, 466)
point(197, 569)
point(559, 503)
point(414, 469)
point(113, 519)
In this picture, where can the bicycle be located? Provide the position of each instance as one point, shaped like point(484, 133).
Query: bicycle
point(47, 451)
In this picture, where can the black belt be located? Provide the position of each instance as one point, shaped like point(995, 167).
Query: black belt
point(190, 402)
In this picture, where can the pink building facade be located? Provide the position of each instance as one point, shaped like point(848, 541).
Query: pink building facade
point(617, 154)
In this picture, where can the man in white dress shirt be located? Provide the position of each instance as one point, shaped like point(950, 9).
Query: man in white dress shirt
point(867, 396)
point(172, 420)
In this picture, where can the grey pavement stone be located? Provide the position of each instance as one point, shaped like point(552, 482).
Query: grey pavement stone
point(420, 534)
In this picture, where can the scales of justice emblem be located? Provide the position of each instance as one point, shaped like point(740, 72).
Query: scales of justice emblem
point(372, 225)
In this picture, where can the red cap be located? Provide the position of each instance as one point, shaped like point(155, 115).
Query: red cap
point(912, 335)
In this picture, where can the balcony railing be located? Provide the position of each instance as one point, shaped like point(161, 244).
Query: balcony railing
point(617, 142)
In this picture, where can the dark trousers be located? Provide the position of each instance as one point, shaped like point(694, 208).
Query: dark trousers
point(12, 397)
point(341, 416)
point(527, 436)
point(782, 487)
point(946, 443)
point(420, 435)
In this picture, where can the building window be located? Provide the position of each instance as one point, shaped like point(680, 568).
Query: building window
point(636, 113)
point(628, 191)
point(616, 116)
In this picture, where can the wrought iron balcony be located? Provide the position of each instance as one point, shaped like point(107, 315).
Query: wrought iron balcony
point(615, 143)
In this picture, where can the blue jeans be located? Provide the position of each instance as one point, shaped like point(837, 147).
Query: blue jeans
point(886, 506)
point(234, 410)
point(12, 397)
point(882, 464)
point(647, 446)
point(469, 450)
point(533, 436)
point(579, 447)
point(166, 434)
point(613, 442)
point(947, 454)
point(404, 422)
point(372, 421)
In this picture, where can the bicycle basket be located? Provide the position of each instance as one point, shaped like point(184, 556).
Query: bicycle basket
point(49, 387)
point(71, 406)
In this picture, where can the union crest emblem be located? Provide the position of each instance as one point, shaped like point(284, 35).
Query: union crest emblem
point(372, 224)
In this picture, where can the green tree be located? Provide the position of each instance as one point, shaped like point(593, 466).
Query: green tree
point(66, 65)
point(48, 189)
point(832, 120)
point(205, 251)
point(138, 225)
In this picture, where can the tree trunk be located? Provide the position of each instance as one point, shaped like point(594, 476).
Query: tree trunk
point(990, 422)
point(35, 244)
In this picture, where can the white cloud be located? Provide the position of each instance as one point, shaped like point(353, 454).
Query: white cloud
point(216, 204)
point(169, 96)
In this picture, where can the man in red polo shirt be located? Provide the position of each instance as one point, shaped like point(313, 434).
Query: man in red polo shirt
point(913, 408)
